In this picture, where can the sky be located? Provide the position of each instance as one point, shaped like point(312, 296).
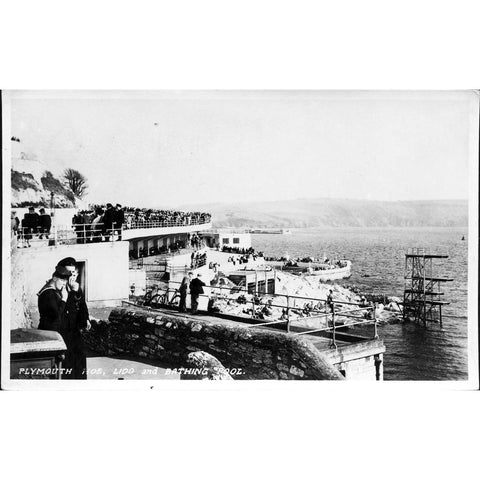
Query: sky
point(170, 148)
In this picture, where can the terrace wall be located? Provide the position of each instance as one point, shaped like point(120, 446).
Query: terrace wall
point(250, 353)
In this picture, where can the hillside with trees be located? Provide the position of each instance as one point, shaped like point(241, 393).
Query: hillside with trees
point(28, 191)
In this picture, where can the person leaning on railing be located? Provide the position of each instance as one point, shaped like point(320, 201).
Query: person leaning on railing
point(30, 224)
point(45, 223)
point(196, 289)
point(97, 226)
point(108, 220)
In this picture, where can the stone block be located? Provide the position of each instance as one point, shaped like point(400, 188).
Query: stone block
point(296, 371)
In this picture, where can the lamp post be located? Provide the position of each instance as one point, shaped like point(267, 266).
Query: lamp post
point(52, 205)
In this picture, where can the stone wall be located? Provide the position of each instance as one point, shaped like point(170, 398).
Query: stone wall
point(247, 353)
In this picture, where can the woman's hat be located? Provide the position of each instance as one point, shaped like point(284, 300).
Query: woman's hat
point(67, 262)
point(62, 272)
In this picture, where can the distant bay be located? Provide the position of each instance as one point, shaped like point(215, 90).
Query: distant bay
point(328, 212)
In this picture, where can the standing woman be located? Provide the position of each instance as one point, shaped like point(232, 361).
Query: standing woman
point(184, 291)
point(97, 225)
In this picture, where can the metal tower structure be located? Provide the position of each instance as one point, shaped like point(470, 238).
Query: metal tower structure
point(422, 297)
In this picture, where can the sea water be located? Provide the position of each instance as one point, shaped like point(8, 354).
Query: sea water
point(413, 352)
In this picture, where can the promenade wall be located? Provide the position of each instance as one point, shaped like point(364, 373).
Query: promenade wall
point(250, 353)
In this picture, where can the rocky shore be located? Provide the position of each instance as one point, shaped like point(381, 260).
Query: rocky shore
point(289, 288)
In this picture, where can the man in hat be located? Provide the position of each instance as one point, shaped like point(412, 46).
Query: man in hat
point(182, 307)
point(45, 223)
point(196, 288)
point(108, 220)
point(30, 224)
point(118, 219)
point(76, 318)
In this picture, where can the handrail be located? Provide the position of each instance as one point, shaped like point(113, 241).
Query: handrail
point(139, 224)
point(57, 235)
point(333, 313)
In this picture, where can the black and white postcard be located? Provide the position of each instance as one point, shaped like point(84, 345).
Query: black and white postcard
point(158, 237)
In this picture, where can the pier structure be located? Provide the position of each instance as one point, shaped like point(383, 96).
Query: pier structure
point(423, 297)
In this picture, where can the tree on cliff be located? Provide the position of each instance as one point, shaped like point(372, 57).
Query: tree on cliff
point(76, 183)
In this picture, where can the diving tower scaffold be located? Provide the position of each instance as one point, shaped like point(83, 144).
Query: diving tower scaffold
point(423, 298)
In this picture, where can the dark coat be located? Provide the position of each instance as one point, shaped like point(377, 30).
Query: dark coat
point(76, 312)
point(196, 286)
point(51, 308)
point(108, 219)
point(66, 318)
point(31, 220)
point(75, 319)
point(184, 286)
point(46, 222)
point(118, 218)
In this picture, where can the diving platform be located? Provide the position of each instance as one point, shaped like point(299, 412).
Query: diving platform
point(422, 297)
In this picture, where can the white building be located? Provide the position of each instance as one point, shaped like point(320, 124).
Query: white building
point(228, 238)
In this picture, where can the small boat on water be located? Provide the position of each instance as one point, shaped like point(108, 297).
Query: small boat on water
point(322, 270)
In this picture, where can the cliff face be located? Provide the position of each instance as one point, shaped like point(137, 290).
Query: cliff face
point(28, 191)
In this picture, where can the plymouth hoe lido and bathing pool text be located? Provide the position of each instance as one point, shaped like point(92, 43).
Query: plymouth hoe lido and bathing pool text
point(101, 372)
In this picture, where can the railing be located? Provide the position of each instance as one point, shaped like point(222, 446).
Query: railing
point(329, 313)
point(58, 235)
point(181, 222)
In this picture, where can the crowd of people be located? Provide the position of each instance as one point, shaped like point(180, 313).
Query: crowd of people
point(147, 217)
point(102, 222)
point(246, 254)
point(98, 223)
point(242, 251)
point(196, 241)
point(32, 225)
